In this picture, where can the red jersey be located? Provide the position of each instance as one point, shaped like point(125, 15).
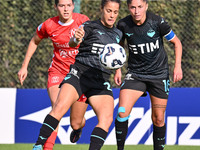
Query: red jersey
point(60, 34)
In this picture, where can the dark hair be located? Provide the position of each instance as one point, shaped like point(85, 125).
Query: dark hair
point(104, 2)
point(129, 1)
point(57, 1)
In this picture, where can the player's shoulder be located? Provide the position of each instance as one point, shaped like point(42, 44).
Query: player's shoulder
point(80, 17)
point(53, 19)
point(91, 24)
point(153, 16)
point(48, 23)
point(124, 21)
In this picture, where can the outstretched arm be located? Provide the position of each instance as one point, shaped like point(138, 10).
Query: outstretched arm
point(22, 74)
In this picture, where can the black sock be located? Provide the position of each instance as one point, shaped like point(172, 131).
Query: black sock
point(159, 137)
point(97, 138)
point(121, 129)
point(49, 125)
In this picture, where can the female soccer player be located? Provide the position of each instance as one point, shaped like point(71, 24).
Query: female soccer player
point(59, 29)
point(147, 69)
point(88, 77)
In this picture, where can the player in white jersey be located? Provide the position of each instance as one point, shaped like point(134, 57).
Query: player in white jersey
point(147, 69)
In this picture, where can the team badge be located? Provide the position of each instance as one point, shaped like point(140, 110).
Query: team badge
point(151, 33)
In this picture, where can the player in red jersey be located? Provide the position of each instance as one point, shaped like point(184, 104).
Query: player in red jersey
point(59, 29)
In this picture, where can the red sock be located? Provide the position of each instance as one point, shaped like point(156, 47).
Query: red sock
point(48, 145)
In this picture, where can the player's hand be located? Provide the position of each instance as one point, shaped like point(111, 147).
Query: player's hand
point(79, 34)
point(117, 77)
point(178, 74)
point(22, 74)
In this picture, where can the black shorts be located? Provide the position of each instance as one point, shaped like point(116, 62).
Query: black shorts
point(158, 88)
point(88, 81)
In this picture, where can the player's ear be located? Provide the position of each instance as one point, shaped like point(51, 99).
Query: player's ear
point(55, 7)
point(101, 10)
point(73, 5)
point(147, 6)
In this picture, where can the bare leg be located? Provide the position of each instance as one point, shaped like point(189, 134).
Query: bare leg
point(103, 106)
point(53, 93)
point(77, 120)
point(127, 99)
point(158, 118)
point(77, 113)
point(61, 106)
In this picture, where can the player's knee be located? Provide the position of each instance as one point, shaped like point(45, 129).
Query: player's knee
point(75, 124)
point(122, 115)
point(158, 121)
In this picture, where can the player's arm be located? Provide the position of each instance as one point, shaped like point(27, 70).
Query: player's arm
point(77, 38)
point(22, 74)
point(118, 76)
point(118, 73)
point(178, 74)
point(170, 36)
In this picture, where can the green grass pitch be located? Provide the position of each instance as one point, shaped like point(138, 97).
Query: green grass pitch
point(86, 146)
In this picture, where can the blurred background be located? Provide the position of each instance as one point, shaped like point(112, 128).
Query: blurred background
point(23, 108)
point(19, 20)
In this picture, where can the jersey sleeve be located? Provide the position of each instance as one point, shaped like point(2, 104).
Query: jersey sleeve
point(121, 28)
point(83, 19)
point(87, 28)
point(165, 29)
point(80, 18)
point(42, 31)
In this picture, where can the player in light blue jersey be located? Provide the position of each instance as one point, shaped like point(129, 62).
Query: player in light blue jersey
point(147, 69)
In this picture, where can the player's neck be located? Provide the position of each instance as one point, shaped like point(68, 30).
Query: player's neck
point(65, 21)
point(139, 22)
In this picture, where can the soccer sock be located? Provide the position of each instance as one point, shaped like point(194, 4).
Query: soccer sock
point(121, 129)
point(97, 138)
point(48, 145)
point(159, 137)
point(49, 125)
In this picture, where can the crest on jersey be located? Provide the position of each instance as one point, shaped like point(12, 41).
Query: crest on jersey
point(151, 33)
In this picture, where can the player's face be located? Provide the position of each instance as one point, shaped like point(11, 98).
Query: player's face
point(109, 14)
point(138, 10)
point(65, 9)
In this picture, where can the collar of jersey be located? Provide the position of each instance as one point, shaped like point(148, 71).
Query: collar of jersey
point(66, 24)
